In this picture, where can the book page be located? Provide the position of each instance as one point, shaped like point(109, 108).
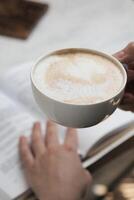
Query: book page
point(16, 83)
point(14, 122)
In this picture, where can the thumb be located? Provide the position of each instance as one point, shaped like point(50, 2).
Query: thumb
point(121, 55)
point(126, 55)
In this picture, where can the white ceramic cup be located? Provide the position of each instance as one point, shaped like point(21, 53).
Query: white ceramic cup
point(78, 116)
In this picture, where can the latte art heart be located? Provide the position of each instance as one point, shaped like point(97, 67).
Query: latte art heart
point(78, 78)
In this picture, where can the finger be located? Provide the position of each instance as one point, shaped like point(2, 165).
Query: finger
point(71, 139)
point(87, 182)
point(119, 55)
point(128, 98)
point(122, 57)
point(126, 55)
point(129, 50)
point(25, 152)
point(88, 177)
point(127, 59)
point(131, 66)
point(38, 145)
point(51, 138)
point(130, 74)
point(128, 102)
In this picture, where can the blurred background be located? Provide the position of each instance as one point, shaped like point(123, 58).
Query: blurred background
point(105, 25)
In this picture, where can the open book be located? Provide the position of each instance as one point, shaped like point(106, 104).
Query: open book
point(18, 111)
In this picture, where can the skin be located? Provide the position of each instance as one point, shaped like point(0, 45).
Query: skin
point(54, 171)
point(126, 56)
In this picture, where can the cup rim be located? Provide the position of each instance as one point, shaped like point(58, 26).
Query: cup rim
point(67, 50)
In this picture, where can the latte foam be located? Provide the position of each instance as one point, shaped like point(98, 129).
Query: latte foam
point(78, 78)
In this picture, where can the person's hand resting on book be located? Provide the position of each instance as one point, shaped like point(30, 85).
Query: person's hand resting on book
point(54, 171)
point(126, 56)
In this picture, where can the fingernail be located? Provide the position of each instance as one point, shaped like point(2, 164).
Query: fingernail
point(22, 137)
point(48, 123)
point(121, 54)
point(36, 124)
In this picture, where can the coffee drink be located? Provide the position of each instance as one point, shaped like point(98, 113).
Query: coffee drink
point(79, 77)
